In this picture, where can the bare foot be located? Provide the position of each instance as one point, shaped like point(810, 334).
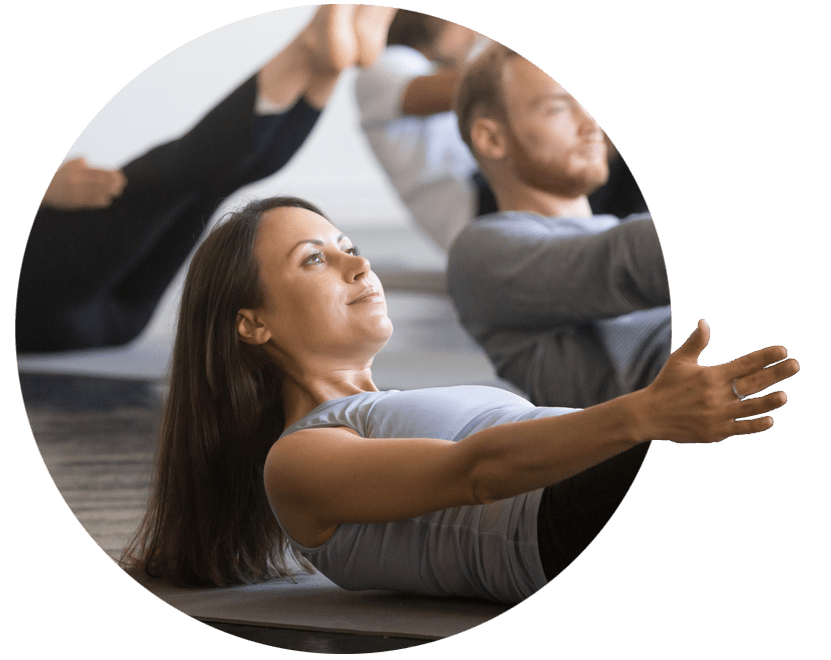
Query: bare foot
point(330, 39)
point(371, 26)
point(337, 37)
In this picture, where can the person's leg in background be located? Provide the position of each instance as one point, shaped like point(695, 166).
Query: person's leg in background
point(92, 277)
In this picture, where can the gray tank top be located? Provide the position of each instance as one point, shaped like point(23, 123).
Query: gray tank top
point(487, 551)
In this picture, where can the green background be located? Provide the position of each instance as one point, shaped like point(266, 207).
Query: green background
point(718, 552)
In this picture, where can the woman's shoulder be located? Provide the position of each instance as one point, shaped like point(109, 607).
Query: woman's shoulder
point(348, 412)
point(454, 394)
point(437, 412)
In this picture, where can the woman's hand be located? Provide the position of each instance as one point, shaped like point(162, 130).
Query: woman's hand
point(688, 402)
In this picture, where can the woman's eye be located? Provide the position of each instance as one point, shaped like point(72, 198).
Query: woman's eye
point(314, 258)
point(354, 251)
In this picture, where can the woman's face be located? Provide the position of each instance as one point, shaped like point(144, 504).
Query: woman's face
point(322, 301)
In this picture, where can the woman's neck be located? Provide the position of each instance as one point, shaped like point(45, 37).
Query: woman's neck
point(303, 394)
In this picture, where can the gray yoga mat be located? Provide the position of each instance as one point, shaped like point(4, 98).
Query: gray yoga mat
point(312, 602)
point(96, 436)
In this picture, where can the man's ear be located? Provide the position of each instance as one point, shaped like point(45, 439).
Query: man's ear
point(488, 138)
point(251, 329)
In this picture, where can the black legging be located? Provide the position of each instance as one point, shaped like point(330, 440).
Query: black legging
point(572, 512)
point(93, 278)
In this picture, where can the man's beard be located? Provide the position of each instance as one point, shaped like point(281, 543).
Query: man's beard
point(549, 177)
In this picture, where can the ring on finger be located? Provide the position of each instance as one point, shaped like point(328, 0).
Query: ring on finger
point(735, 391)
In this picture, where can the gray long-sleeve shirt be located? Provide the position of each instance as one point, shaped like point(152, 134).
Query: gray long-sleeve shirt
point(573, 311)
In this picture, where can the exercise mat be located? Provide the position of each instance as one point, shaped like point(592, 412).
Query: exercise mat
point(97, 436)
point(312, 602)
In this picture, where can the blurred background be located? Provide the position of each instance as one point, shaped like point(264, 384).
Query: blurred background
point(721, 111)
point(334, 168)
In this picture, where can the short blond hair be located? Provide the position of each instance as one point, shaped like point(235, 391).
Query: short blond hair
point(479, 92)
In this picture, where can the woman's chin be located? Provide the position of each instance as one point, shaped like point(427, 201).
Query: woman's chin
point(382, 334)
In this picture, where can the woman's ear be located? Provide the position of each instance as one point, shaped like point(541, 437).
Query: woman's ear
point(488, 138)
point(251, 329)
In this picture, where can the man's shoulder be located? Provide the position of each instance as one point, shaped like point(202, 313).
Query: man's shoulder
point(519, 222)
point(485, 225)
point(493, 236)
point(503, 232)
point(499, 219)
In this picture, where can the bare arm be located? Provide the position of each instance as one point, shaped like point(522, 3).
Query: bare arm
point(428, 95)
point(319, 478)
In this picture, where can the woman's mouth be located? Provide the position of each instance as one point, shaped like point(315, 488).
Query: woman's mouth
point(369, 295)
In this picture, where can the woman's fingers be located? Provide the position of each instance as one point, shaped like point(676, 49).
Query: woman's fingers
point(753, 362)
point(747, 426)
point(759, 405)
point(754, 407)
point(691, 349)
point(765, 377)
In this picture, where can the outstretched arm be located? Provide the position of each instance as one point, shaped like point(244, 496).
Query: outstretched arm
point(527, 274)
point(690, 403)
point(428, 95)
point(319, 478)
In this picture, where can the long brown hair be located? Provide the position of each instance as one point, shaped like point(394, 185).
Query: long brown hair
point(208, 521)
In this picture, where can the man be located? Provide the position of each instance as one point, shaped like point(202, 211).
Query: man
point(405, 101)
point(572, 308)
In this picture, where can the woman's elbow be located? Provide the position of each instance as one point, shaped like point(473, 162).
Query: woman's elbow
point(483, 484)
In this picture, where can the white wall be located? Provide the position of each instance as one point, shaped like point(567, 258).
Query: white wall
point(334, 168)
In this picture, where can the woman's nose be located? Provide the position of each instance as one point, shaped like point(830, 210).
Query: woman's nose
point(357, 267)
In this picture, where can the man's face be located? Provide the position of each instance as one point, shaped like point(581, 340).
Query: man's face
point(553, 143)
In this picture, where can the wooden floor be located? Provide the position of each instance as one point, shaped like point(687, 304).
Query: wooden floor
point(96, 426)
point(97, 436)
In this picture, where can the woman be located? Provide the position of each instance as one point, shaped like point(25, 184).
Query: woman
point(464, 491)
point(106, 244)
